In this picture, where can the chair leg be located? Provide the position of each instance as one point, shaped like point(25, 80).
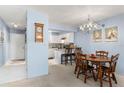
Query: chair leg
point(78, 72)
point(94, 75)
point(61, 59)
point(114, 78)
point(103, 73)
point(110, 83)
point(75, 69)
point(71, 59)
point(66, 60)
point(71, 62)
point(85, 78)
point(100, 77)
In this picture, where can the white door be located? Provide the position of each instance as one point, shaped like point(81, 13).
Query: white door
point(17, 46)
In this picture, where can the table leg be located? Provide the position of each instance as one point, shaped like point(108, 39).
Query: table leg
point(100, 75)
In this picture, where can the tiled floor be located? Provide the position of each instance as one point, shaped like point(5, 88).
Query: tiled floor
point(60, 76)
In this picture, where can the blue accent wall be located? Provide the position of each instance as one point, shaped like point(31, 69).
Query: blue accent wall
point(89, 46)
point(4, 47)
point(37, 53)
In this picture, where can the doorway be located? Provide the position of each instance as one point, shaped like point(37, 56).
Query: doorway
point(17, 46)
point(58, 40)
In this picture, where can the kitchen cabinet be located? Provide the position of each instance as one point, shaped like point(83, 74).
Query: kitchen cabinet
point(69, 37)
point(58, 38)
point(58, 56)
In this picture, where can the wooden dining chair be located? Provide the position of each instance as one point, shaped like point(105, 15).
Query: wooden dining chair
point(101, 53)
point(84, 67)
point(81, 59)
point(88, 68)
point(109, 71)
point(77, 52)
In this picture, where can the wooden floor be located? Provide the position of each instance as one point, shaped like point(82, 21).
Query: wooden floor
point(61, 76)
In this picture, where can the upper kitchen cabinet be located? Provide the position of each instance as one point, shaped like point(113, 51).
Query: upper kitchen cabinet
point(66, 38)
point(59, 37)
point(53, 37)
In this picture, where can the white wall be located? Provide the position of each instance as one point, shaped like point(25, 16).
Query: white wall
point(17, 46)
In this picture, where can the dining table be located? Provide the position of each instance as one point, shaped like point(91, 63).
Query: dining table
point(99, 61)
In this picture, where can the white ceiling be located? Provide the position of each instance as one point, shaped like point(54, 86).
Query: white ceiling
point(63, 15)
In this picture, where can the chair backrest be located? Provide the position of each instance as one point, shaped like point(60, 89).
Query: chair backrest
point(102, 53)
point(113, 63)
point(77, 57)
point(71, 45)
point(83, 61)
point(68, 50)
point(81, 57)
point(77, 50)
point(77, 53)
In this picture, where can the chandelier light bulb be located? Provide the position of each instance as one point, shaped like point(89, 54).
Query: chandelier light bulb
point(89, 28)
point(90, 25)
point(95, 26)
point(80, 27)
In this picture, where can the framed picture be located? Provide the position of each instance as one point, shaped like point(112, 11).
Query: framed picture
point(111, 33)
point(97, 35)
point(39, 32)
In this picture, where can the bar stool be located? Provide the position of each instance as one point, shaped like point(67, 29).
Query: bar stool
point(67, 56)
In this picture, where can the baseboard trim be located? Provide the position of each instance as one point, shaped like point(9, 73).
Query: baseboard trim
point(17, 59)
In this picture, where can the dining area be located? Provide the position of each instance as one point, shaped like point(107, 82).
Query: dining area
point(100, 65)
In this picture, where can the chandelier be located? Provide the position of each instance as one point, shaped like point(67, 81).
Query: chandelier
point(90, 25)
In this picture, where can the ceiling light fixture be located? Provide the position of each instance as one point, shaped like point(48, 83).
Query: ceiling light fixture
point(14, 25)
point(90, 25)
